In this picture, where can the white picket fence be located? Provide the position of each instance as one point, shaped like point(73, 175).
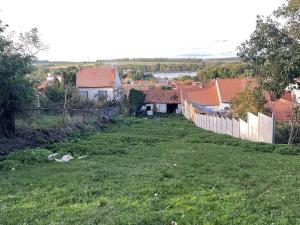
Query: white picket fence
point(259, 128)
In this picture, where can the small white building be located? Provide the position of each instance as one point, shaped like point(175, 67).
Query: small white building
point(51, 77)
point(95, 82)
point(162, 101)
point(295, 90)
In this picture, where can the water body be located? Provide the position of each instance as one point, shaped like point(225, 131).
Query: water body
point(174, 74)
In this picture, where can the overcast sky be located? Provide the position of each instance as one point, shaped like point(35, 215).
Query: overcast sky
point(81, 30)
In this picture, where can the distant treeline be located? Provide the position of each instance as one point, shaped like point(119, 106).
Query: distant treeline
point(225, 70)
point(162, 67)
point(189, 60)
point(205, 70)
point(142, 68)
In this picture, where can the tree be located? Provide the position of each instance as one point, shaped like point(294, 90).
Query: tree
point(247, 101)
point(15, 89)
point(136, 100)
point(68, 74)
point(294, 122)
point(55, 93)
point(274, 48)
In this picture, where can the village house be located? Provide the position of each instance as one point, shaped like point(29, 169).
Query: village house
point(229, 88)
point(216, 96)
point(97, 82)
point(162, 101)
point(206, 96)
point(282, 108)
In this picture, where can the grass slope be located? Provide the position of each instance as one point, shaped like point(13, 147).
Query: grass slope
point(152, 171)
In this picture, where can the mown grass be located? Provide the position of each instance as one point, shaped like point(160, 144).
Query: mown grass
point(152, 171)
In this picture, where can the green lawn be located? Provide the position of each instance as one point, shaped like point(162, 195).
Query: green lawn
point(153, 171)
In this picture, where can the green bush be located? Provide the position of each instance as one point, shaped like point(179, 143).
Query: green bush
point(29, 156)
point(283, 133)
point(287, 150)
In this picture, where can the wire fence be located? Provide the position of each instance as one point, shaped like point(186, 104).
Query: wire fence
point(41, 118)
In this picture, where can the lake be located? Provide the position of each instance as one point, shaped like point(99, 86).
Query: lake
point(174, 74)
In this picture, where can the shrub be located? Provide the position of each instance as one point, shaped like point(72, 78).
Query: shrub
point(30, 156)
point(136, 99)
point(287, 150)
point(283, 132)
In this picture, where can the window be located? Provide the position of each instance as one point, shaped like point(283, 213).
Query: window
point(84, 95)
point(102, 93)
point(148, 108)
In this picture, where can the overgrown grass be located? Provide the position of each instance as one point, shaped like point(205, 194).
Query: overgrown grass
point(54, 120)
point(152, 171)
point(39, 121)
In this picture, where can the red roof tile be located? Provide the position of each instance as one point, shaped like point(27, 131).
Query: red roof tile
point(95, 77)
point(287, 96)
point(207, 95)
point(138, 86)
point(162, 96)
point(231, 87)
point(281, 108)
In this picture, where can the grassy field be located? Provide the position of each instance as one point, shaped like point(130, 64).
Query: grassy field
point(152, 171)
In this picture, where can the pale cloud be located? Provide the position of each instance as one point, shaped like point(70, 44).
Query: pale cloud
point(95, 29)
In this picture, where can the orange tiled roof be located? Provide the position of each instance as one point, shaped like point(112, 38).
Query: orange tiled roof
point(282, 109)
point(229, 88)
point(208, 95)
point(96, 77)
point(138, 86)
point(162, 96)
point(287, 96)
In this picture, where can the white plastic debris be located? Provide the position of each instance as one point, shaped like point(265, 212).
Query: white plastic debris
point(82, 157)
point(58, 158)
point(64, 158)
point(53, 156)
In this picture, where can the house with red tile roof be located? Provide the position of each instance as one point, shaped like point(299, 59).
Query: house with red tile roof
point(95, 82)
point(215, 95)
point(282, 108)
point(229, 88)
point(162, 101)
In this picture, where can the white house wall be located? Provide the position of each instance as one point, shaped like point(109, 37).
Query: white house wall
point(224, 105)
point(297, 95)
point(179, 109)
point(93, 92)
point(161, 108)
point(118, 83)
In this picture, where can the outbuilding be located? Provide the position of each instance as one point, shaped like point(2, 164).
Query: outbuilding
point(162, 101)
